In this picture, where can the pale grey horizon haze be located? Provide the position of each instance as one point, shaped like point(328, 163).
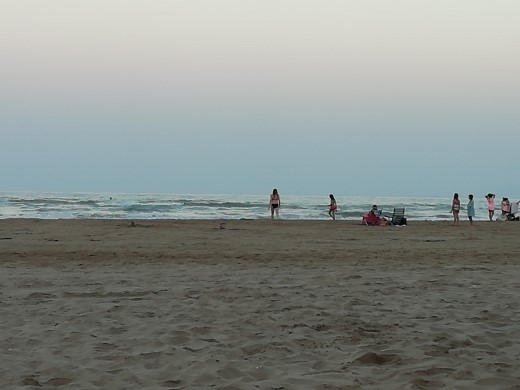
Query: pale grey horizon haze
point(376, 97)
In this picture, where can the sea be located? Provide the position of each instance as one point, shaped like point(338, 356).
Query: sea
point(196, 206)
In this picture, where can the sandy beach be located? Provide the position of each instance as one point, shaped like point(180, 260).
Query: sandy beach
point(258, 304)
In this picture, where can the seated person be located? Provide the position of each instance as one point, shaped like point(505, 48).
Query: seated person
point(505, 206)
point(373, 217)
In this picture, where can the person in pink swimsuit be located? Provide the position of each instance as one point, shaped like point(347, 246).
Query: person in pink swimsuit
point(505, 206)
point(490, 205)
point(332, 207)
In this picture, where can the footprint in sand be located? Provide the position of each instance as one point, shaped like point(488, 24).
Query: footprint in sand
point(372, 358)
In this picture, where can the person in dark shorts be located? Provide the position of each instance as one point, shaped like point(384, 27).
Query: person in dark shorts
point(275, 203)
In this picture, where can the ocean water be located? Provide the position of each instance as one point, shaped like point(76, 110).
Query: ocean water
point(172, 206)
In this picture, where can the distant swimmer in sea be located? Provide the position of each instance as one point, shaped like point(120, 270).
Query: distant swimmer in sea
point(455, 208)
point(490, 205)
point(332, 207)
point(275, 203)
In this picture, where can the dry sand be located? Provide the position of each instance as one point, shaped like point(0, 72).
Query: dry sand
point(91, 304)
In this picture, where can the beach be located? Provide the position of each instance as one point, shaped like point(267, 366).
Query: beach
point(258, 304)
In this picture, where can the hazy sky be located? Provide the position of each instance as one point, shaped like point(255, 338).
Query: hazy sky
point(372, 97)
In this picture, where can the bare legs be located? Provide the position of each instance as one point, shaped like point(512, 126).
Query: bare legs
point(455, 217)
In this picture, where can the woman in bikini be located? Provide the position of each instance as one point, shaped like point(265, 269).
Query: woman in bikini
point(275, 203)
point(455, 208)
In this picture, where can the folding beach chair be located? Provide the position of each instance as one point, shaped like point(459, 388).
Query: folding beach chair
point(513, 210)
point(397, 218)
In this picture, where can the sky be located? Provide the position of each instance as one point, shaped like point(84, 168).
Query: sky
point(372, 97)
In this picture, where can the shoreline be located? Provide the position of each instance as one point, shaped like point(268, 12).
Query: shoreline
point(207, 206)
point(275, 304)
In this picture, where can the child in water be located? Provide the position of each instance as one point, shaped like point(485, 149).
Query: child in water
point(332, 207)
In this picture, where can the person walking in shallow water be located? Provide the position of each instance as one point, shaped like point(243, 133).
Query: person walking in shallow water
point(332, 207)
point(275, 203)
point(455, 208)
point(471, 209)
point(490, 205)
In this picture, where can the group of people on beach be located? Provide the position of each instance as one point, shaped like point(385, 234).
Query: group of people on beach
point(505, 207)
point(373, 217)
point(275, 204)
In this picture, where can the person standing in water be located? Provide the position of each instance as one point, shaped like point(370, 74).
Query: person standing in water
point(455, 208)
point(332, 207)
point(471, 209)
point(275, 203)
point(490, 205)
